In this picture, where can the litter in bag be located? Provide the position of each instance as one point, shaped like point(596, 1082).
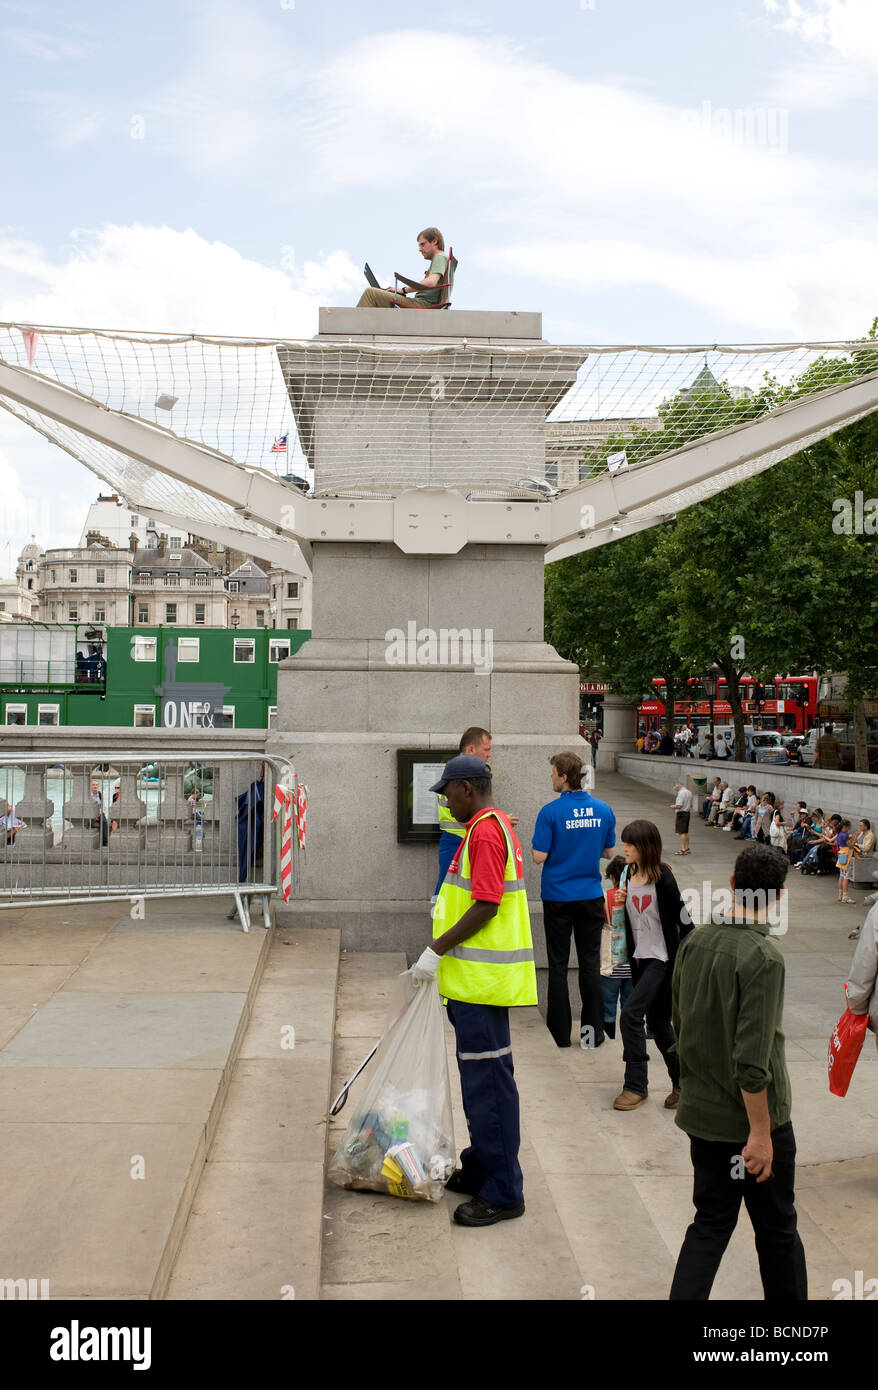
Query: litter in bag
point(400, 1140)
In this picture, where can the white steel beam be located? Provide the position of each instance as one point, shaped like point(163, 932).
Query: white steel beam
point(613, 497)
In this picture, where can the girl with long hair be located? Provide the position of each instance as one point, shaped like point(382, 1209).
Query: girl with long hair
point(655, 920)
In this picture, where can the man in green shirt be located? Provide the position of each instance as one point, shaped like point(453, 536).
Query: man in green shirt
point(727, 1011)
point(431, 245)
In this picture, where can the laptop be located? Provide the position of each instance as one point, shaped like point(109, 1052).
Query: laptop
point(370, 276)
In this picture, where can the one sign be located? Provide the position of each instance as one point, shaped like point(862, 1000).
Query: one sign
point(417, 818)
point(617, 461)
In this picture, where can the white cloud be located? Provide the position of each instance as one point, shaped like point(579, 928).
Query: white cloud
point(51, 48)
point(156, 278)
point(830, 291)
point(850, 27)
point(148, 278)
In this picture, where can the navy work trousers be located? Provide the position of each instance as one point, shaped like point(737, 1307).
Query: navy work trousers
point(490, 1165)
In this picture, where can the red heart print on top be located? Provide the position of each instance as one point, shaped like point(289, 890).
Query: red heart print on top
point(641, 903)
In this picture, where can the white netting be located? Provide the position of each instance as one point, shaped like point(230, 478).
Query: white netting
point(374, 418)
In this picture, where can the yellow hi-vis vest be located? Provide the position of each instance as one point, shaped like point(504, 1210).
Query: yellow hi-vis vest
point(496, 964)
point(447, 823)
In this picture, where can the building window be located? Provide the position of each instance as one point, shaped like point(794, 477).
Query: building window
point(48, 714)
point(52, 572)
point(72, 613)
point(16, 714)
point(278, 649)
point(54, 612)
point(260, 617)
point(292, 624)
point(274, 591)
point(244, 650)
point(272, 716)
point(73, 574)
point(170, 612)
point(99, 613)
point(134, 520)
point(199, 613)
point(187, 648)
point(30, 583)
point(292, 591)
point(233, 586)
point(144, 649)
point(144, 716)
point(143, 612)
point(176, 543)
point(150, 521)
point(100, 576)
point(224, 718)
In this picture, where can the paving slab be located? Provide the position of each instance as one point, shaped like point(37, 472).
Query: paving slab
point(73, 1213)
point(257, 1226)
point(76, 1029)
point(31, 984)
point(290, 1100)
point(248, 1234)
point(172, 962)
point(106, 1095)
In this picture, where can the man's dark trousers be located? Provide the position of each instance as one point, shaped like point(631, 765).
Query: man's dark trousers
point(718, 1192)
point(490, 1165)
point(586, 921)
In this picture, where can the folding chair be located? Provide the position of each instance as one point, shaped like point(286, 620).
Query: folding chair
point(444, 287)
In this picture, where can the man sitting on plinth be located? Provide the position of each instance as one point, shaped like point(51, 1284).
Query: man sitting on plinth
point(431, 245)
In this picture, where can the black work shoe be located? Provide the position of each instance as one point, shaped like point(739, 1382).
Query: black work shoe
point(456, 1183)
point(479, 1213)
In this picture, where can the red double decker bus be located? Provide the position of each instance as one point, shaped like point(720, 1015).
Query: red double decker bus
point(787, 702)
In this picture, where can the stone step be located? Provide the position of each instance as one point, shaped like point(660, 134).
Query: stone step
point(120, 1041)
point(256, 1225)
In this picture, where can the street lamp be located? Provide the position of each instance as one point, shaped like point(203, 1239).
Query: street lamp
point(235, 619)
point(709, 684)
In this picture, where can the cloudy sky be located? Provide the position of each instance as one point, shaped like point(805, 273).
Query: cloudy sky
point(640, 172)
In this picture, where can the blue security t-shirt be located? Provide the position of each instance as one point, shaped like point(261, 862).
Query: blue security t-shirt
point(572, 831)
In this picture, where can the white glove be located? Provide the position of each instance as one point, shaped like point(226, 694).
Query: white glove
point(426, 965)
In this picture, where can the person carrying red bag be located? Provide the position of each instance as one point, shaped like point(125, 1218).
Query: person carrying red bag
point(861, 990)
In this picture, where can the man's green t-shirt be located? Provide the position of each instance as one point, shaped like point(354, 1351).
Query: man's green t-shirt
point(437, 267)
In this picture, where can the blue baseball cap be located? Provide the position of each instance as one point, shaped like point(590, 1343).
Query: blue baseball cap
point(463, 766)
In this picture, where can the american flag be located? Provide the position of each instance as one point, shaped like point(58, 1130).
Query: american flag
point(280, 445)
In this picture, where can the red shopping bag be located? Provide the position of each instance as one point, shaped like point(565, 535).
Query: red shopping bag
point(845, 1046)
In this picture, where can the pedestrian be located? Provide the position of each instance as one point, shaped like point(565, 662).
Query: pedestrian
point(843, 859)
point(683, 807)
point(476, 743)
point(616, 982)
point(571, 836)
point(666, 745)
point(777, 833)
point(728, 989)
point(721, 747)
point(595, 744)
point(827, 751)
point(482, 960)
point(655, 920)
point(862, 991)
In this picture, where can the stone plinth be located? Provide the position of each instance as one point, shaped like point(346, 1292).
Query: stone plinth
point(473, 325)
point(395, 415)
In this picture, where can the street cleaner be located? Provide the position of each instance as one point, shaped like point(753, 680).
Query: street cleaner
point(482, 960)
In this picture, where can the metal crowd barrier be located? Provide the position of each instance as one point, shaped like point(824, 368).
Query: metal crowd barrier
point(74, 828)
